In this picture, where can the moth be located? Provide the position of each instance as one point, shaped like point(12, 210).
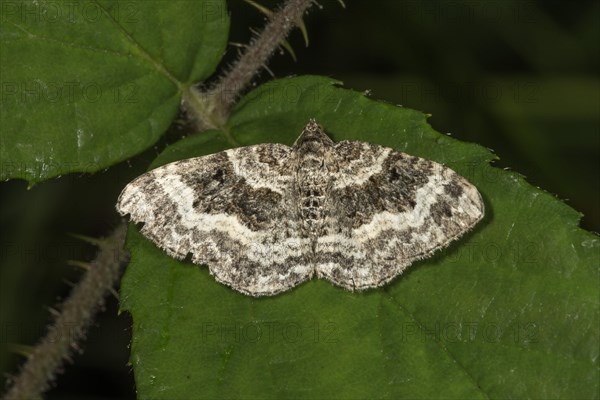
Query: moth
point(268, 217)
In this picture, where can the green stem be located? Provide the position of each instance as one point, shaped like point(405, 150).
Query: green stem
point(76, 315)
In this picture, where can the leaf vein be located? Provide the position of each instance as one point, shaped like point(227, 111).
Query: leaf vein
point(142, 51)
point(439, 343)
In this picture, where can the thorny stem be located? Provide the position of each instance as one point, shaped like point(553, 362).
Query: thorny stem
point(229, 87)
point(70, 326)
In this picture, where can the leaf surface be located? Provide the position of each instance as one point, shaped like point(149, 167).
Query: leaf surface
point(509, 311)
point(87, 84)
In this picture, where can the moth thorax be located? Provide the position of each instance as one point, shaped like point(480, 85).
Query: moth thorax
point(312, 183)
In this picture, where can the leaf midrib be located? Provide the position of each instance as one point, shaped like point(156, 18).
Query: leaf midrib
point(63, 43)
point(142, 51)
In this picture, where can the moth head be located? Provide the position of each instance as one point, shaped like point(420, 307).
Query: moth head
point(313, 136)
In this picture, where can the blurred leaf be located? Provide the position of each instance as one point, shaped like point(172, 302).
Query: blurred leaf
point(91, 83)
point(510, 311)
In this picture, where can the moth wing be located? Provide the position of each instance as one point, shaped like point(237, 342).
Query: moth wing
point(231, 210)
point(388, 209)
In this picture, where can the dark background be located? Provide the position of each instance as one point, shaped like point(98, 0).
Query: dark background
point(518, 77)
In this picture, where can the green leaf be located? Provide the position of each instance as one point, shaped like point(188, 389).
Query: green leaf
point(90, 83)
point(509, 311)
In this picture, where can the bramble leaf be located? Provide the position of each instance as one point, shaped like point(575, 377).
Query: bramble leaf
point(509, 311)
point(90, 83)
